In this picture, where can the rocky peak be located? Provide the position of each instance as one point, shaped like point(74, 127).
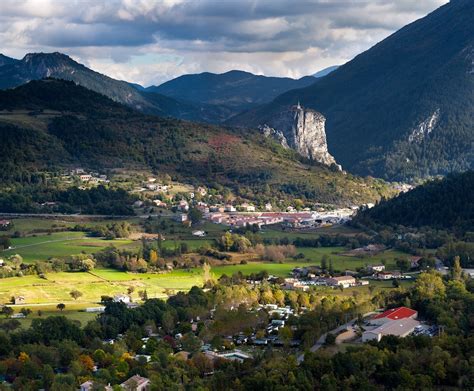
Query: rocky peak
point(303, 130)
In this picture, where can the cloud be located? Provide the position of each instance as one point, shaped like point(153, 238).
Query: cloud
point(149, 41)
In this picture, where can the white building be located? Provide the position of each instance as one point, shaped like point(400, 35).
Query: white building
point(399, 328)
point(122, 298)
point(344, 281)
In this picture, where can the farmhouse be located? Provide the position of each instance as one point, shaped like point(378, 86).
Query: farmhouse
point(376, 268)
point(344, 281)
point(399, 328)
point(18, 300)
point(394, 314)
point(122, 299)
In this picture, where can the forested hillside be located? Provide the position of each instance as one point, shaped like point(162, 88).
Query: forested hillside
point(51, 123)
point(404, 108)
point(445, 204)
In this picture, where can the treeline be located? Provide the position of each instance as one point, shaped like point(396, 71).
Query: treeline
point(45, 199)
point(444, 204)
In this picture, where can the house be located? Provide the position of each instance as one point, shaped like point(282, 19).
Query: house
point(229, 208)
point(399, 328)
point(85, 177)
point(18, 300)
point(160, 203)
point(122, 299)
point(294, 284)
point(181, 218)
point(136, 383)
point(344, 281)
point(183, 205)
point(376, 268)
point(388, 275)
point(2, 262)
point(394, 314)
point(4, 224)
point(235, 355)
point(268, 207)
point(201, 190)
point(91, 386)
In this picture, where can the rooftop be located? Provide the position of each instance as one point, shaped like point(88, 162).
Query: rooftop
point(397, 313)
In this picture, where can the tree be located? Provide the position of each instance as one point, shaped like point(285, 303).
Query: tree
point(191, 343)
point(429, 286)
point(286, 335)
point(143, 295)
point(7, 311)
point(25, 311)
point(130, 290)
point(324, 263)
point(330, 339)
point(456, 271)
point(396, 283)
point(194, 215)
point(61, 307)
point(206, 274)
point(75, 294)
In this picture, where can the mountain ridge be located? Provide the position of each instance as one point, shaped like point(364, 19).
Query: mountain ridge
point(375, 102)
point(52, 123)
point(237, 89)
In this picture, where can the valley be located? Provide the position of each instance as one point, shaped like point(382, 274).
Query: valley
point(186, 204)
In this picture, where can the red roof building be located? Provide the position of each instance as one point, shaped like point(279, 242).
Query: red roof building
point(394, 314)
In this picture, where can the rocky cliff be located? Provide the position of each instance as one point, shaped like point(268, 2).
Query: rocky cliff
point(303, 130)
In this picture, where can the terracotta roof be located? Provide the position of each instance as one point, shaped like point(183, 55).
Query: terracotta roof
point(397, 313)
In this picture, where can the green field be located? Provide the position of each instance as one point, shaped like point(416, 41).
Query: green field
point(343, 262)
point(60, 244)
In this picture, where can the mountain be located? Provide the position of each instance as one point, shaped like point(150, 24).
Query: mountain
point(404, 108)
point(35, 66)
point(302, 130)
point(49, 124)
point(325, 71)
point(238, 90)
point(444, 204)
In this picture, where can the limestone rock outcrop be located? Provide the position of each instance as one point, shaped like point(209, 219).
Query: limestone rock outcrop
point(303, 130)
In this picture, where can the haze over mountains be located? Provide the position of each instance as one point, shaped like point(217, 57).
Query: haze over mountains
point(237, 89)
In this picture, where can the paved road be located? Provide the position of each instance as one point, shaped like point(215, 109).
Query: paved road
point(320, 342)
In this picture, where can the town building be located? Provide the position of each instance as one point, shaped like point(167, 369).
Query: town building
point(394, 314)
point(344, 281)
point(136, 383)
point(399, 328)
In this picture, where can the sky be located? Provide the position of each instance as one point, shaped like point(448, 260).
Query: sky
point(151, 41)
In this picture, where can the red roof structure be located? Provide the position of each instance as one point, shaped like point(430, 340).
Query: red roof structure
point(397, 313)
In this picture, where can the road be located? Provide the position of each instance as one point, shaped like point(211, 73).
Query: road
point(320, 342)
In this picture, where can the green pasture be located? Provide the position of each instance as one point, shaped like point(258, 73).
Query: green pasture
point(60, 244)
point(343, 262)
